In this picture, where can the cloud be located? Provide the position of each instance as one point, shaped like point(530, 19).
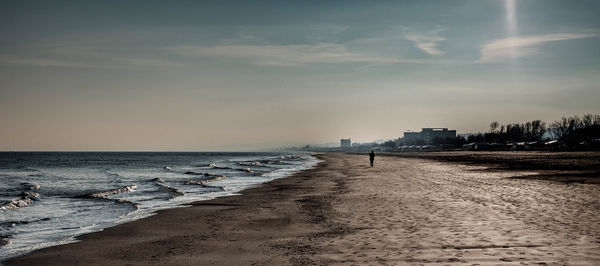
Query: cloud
point(428, 41)
point(287, 55)
point(109, 61)
point(43, 62)
point(515, 47)
point(428, 44)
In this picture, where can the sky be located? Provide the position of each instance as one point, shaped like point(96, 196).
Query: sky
point(245, 75)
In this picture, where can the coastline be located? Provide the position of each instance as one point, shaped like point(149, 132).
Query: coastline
point(402, 211)
point(197, 222)
point(89, 192)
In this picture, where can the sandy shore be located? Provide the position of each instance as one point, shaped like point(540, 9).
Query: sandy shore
point(402, 211)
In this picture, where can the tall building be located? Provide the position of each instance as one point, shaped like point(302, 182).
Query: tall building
point(412, 137)
point(428, 135)
point(345, 143)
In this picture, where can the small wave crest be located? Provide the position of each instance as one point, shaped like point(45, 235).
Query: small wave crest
point(27, 197)
point(124, 201)
point(104, 195)
point(218, 166)
point(15, 204)
point(253, 163)
point(174, 191)
point(30, 194)
point(267, 163)
point(291, 157)
point(211, 178)
point(30, 186)
point(247, 170)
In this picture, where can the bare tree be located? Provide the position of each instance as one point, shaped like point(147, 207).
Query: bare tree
point(559, 128)
point(494, 126)
point(587, 120)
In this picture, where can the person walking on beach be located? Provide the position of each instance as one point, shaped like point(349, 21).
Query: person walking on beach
point(372, 157)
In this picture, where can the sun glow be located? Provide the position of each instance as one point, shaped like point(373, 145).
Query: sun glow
point(511, 23)
point(511, 18)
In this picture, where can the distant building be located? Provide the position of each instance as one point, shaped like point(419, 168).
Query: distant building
point(412, 137)
point(345, 143)
point(428, 135)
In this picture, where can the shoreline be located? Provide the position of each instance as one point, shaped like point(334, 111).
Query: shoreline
point(402, 211)
point(57, 255)
point(63, 210)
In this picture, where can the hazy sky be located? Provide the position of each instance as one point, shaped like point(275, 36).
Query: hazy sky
point(222, 75)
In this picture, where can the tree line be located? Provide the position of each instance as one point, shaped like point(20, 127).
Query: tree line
point(573, 131)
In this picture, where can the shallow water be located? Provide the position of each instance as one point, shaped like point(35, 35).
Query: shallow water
point(48, 198)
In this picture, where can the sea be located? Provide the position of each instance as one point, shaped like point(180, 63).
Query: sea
point(49, 198)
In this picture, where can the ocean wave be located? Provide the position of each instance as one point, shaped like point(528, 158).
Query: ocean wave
point(83, 173)
point(106, 193)
point(103, 195)
point(248, 170)
point(203, 184)
point(30, 194)
point(15, 204)
point(210, 178)
point(30, 186)
point(175, 191)
point(218, 166)
point(268, 162)
point(252, 163)
point(135, 205)
point(27, 197)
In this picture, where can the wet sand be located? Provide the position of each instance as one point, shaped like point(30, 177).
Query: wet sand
point(402, 211)
point(578, 166)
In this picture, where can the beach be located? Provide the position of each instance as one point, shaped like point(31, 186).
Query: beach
point(404, 210)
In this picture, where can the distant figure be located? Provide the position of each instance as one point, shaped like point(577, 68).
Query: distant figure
point(372, 157)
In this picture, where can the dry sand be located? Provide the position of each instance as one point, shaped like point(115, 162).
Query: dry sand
point(402, 211)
